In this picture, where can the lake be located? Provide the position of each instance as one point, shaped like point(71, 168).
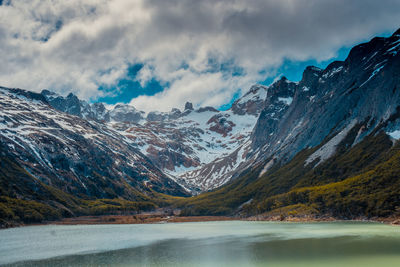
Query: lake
point(224, 243)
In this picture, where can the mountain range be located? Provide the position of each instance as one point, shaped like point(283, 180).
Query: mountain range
point(181, 143)
point(326, 145)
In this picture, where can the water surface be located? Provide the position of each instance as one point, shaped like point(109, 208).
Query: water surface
point(227, 243)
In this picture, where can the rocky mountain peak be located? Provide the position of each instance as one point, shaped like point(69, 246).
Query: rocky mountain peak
point(100, 112)
point(208, 108)
point(125, 113)
point(24, 93)
point(48, 93)
point(71, 95)
point(70, 104)
point(396, 33)
point(281, 88)
point(360, 51)
point(188, 106)
point(311, 75)
point(252, 102)
point(279, 98)
point(175, 111)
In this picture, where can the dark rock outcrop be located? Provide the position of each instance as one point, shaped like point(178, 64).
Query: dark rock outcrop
point(188, 106)
point(125, 113)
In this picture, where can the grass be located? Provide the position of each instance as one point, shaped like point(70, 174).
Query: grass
point(362, 180)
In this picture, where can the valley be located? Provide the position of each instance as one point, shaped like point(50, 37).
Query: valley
point(325, 146)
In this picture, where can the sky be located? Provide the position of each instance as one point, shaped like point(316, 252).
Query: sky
point(158, 54)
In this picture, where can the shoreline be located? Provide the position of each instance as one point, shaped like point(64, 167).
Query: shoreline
point(137, 219)
point(124, 219)
point(395, 221)
point(160, 219)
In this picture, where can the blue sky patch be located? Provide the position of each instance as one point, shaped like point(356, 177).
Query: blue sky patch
point(129, 88)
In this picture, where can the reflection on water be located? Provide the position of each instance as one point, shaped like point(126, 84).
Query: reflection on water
point(203, 244)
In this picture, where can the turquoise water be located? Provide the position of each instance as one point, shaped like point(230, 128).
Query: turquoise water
point(231, 243)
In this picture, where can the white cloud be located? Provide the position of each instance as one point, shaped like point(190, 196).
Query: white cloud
point(79, 45)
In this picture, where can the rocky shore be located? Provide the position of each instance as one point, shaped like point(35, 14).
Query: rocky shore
point(156, 218)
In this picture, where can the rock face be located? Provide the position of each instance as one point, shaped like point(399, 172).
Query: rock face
point(220, 124)
point(280, 96)
point(188, 106)
point(71, 104)
point(125, 113)
point(360, 94)
point(81, 157)
point(252, 102)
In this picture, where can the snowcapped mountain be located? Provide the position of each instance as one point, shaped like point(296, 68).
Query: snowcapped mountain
point(71, 104)
point(348, 100)
point(181, 143)
point(125, 113)
point(68, 141)
point(272, 102)
point(201, 149)
point(326, 146)
point(81, 157)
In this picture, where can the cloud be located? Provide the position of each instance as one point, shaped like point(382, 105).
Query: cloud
point(203, 51)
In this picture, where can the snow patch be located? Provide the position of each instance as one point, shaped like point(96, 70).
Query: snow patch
point(286, 100)
point(394, 48)
point(374, 72)
point(327, 150)
point(258, 93)
point(266, 167)
point(332, 72)
point(395, 134)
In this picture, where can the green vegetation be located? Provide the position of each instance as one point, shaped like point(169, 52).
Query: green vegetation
point(296, 210)
point(363, 181)
point(14, 210)
point(30, 211)
point(26, 199)
point(373, 193)
point(116, 206)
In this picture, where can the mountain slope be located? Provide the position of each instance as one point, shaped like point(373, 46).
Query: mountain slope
point(361, 89)
point(81, 157)
point(360, 182)
point(326, 103)
point(24, 198)
point(187, 145)
point(331, 150)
